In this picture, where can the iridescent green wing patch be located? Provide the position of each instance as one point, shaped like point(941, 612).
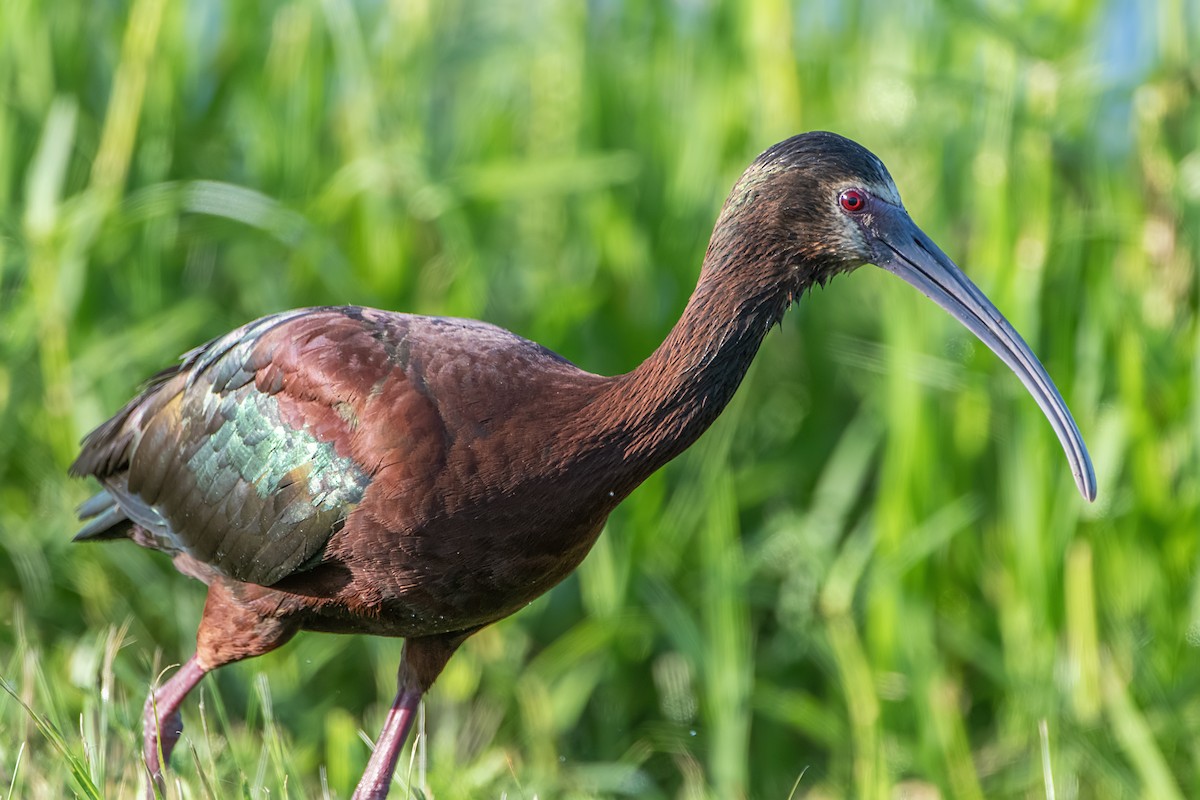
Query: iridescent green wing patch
point(266, 496)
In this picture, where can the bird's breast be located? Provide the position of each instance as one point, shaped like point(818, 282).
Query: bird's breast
point(502, 519)
point(453, 572)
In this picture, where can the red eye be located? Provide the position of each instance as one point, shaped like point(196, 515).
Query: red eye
point(853, 200)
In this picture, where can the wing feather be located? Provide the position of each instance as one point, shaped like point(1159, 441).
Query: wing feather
point(244, 455)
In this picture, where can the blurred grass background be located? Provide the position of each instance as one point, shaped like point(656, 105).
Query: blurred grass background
point(873, 578)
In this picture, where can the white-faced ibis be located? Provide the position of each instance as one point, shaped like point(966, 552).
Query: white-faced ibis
point(359, 471)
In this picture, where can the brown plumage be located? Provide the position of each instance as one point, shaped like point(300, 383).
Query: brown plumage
point(359, 471)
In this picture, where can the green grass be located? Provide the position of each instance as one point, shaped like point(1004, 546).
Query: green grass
point(873, 578)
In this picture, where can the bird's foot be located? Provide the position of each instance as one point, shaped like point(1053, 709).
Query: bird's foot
point(162, 723)
point(160, 735)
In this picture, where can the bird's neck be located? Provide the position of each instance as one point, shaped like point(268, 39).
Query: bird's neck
point(665, 404)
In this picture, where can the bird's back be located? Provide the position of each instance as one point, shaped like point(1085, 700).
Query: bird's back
point(359, 455)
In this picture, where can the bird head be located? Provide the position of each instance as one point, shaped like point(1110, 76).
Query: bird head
point(822, 204)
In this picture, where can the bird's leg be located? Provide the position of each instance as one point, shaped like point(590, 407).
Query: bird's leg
point(234, 626)
point(378, 775)
point(420, 665)
point(161, 722)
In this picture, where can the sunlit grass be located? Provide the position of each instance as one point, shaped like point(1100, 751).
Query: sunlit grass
point(873, 577)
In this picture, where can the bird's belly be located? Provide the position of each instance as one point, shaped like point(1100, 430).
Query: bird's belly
point(444, 579)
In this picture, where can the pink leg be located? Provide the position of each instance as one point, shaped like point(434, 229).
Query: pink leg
point(420, 665)
point(377, 778)
point(162, 724)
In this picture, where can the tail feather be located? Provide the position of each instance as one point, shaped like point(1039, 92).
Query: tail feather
point(105, 519)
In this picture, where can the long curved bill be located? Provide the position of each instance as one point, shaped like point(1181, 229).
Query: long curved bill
point(904, 250)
